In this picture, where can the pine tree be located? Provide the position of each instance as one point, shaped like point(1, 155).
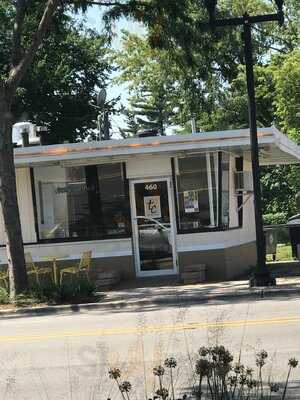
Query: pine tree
point(152, 110)
point(132, 127)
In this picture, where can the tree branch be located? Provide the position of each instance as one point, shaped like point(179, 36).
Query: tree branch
point(104, 3)
point(107, 3)
point(17, 73)
point(17, 32)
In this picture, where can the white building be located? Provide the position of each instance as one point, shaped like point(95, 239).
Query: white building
point(146, 206)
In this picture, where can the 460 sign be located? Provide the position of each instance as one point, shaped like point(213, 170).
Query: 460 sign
point(151, 186)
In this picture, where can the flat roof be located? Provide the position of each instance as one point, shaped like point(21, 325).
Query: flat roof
point(274, 148)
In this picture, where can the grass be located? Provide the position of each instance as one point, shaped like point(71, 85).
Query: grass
point(283, 253)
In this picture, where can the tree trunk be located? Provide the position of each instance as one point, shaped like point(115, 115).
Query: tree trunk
point(8, 198)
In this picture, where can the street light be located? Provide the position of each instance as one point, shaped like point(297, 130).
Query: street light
point(261, 275)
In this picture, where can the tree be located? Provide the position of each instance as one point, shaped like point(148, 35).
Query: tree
point(196, 66)
point(132, 127)
point(152, 111)
point(57, 90)
point(286, 75)
point(25, 44)
point(26, 26)
point(21, 58)
point(152, 90)
point(212, 84)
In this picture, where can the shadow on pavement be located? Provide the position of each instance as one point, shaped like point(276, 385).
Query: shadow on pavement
point(150, 299)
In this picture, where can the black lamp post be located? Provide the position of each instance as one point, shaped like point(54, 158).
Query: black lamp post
point(261, 275)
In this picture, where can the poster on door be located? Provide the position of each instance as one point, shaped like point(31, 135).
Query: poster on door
point(152, 206)
point(191, 203)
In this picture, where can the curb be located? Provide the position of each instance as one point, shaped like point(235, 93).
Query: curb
point(47, 310)
point(121, 304)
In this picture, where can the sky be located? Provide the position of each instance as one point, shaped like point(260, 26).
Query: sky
point(94, 20)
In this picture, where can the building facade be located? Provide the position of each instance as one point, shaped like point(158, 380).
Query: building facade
point(146, 206)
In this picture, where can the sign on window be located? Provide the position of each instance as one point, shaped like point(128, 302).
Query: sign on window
point(152, 206)
point(191, 203)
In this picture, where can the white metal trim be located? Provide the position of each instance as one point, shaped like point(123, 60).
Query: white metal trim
point(213, 246)
point(210, 190)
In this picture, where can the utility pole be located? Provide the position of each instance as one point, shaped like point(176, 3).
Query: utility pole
point(261, 274)
point(105, 125)
point(103, 115)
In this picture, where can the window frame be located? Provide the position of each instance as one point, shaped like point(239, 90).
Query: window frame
point(220, 227)
point(126, 235)
point(239, 166)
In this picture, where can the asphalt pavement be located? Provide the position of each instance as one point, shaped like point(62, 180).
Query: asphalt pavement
point(67, 355)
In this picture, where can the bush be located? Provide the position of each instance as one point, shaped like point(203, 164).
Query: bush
point(275, 219)
point(75, 290)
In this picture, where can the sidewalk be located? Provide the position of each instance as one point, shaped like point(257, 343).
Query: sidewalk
point(135, 295)
point(143, 295)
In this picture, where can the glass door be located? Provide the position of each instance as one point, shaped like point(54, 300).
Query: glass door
point(153, 227)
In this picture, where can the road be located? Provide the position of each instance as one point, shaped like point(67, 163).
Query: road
point(68, 356)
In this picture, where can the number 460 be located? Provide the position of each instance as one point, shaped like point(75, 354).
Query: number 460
point(151, 186)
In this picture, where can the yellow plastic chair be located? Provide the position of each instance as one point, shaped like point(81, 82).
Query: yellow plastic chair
point(83, 266)
point(32, 269)
point(4, 276)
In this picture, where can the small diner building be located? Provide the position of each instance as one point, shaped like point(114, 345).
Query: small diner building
point(146, 206)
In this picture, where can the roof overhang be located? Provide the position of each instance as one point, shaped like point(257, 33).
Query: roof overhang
point(274, 148)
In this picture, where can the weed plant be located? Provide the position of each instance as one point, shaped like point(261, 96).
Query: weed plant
point(216, 377)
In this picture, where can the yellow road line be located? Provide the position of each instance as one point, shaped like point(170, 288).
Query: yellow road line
point(150, 329)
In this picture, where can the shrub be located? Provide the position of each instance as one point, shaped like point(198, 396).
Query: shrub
point(75, 290)
point(275, 219)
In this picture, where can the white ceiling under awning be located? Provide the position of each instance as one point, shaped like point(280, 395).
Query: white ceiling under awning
point(274, 148)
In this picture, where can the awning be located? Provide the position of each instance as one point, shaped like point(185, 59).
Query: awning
point(274, 148)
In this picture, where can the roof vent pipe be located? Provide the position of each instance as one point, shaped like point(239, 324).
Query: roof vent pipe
point(42, 133)
point(25, 137)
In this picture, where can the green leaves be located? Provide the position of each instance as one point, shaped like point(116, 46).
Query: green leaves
point(72, 62)
point(286, 76)
point(152, 87)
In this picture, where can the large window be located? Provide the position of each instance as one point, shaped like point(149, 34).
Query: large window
point(202, 187)
point(81, 203)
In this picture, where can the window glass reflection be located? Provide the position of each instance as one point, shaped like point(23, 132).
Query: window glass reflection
point(197, 181)
point(86, 202)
